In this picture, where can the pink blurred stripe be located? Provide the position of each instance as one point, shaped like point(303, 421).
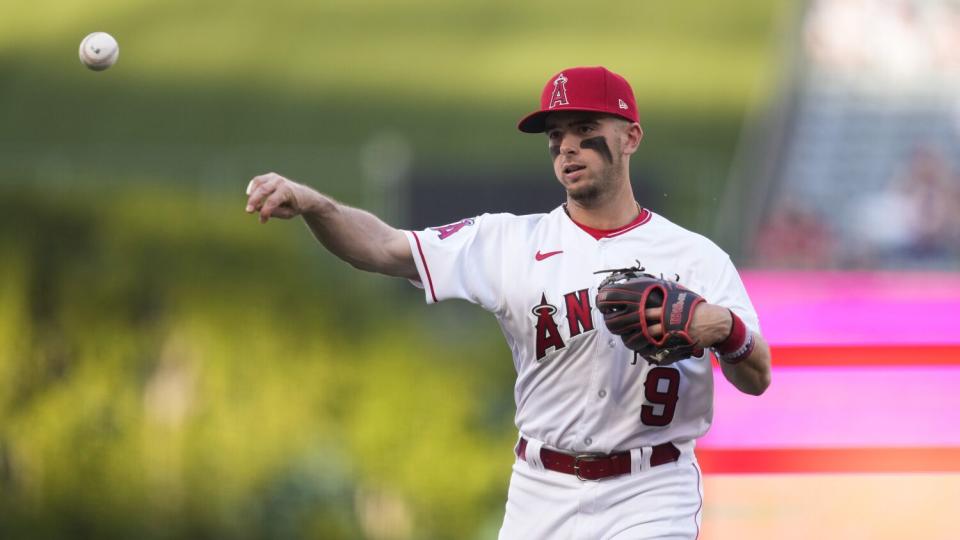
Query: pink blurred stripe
point(836, 407)
point(857, 307)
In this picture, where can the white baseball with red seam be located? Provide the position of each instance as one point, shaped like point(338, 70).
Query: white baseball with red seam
point(99, 50)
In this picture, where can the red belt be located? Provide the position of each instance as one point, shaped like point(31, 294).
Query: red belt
point(598, 466)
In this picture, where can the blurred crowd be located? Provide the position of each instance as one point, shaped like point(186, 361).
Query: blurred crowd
point(870, 173)
point(900, 39)
point(916, 219)
point(914, 222)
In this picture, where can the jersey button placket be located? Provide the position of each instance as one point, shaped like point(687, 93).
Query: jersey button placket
point(594, 408)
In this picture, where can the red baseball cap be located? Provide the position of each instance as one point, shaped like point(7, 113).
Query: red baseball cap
point(594, 89)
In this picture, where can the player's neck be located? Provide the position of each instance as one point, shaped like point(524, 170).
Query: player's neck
point(608, 215)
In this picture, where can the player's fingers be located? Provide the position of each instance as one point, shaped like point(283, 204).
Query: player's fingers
point(260, 192)
point(283, 212)
point(257, 180)
point(655, 331)
point(272, 204)
point(260, 187)
point(653, 314)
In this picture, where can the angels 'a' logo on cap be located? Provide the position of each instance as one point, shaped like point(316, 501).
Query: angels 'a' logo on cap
point(559, 96)
point(623, 104)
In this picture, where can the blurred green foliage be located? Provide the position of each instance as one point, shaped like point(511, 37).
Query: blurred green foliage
point(206, 376)
point(170, 369)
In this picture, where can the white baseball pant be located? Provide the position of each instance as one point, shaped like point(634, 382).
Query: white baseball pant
point(650, 503)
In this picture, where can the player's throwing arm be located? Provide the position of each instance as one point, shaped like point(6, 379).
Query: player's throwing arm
point(356, 236)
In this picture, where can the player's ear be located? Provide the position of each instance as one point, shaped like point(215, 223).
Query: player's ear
point(632, 135)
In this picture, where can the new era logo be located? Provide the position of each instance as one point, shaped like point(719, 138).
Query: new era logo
point(623, 104)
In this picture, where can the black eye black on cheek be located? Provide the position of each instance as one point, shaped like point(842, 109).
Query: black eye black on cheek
point(554, 150)
point(599, 144)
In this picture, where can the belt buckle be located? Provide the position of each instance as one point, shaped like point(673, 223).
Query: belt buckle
point(584, 457)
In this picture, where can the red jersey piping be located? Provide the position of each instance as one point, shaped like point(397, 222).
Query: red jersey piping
point(426, 268)
point(643, 217)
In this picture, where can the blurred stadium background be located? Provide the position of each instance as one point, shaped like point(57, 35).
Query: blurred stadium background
point(170, 369)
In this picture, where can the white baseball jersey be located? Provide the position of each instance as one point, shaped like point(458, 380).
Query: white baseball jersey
point(578, 387)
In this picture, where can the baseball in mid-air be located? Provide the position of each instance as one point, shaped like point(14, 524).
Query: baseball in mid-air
point(99, 50)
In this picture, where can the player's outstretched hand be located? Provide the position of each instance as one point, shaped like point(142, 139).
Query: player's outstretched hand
point(272, 195)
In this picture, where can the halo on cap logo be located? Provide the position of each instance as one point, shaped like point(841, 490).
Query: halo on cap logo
point(559, 95)
point(623, 104)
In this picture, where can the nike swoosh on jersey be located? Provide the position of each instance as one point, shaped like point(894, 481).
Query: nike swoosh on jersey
point(541, 256)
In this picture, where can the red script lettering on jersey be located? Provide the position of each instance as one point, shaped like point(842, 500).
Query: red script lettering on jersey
point(447, 230)
point(548, 335)
point(547, 329)
point(541, 256)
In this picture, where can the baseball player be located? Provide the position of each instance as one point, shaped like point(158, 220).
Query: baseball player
point(607, 307)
